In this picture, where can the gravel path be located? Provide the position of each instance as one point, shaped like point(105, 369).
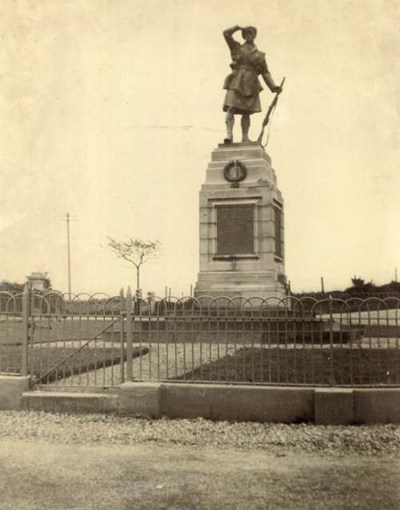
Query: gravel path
point(276, 438)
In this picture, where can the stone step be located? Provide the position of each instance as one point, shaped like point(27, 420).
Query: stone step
point(69, 402)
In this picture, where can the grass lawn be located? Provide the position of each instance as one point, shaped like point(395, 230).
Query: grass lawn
point(39, 475)
point(258, 365)
point(43, 360)
point(303, 366)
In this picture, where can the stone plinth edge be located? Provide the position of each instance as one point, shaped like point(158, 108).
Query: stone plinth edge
point(377, 405)
point(238, 403)
point(265, 404)
point(70, 402)
point(268, 404)
point(140, 399)
point(11, 390)
point(334, 406)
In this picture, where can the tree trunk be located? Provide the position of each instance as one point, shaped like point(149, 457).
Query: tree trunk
point(137, 279)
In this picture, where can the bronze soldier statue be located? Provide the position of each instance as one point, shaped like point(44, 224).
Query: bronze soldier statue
point(242, 85)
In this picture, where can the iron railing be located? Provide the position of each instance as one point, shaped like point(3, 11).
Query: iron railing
point(102, 341)
point(12, 333)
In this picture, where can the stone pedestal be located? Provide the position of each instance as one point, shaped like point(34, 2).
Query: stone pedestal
point(241, 225)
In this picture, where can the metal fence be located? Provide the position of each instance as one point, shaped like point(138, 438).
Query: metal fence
point(100, 341)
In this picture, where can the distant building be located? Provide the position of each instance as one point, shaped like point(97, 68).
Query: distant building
point(39, 281)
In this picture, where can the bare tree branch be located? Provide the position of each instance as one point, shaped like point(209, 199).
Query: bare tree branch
point(135, 251)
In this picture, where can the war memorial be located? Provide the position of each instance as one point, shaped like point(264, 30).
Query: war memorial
point(242, 348)
point(241, 207)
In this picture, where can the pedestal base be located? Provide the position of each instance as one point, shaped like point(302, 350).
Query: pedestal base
point(241, 226)
point(239, 284)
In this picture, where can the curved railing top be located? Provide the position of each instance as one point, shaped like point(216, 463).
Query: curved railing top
point(102, 303)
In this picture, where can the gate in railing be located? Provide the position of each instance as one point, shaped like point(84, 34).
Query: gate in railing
point(100, 341)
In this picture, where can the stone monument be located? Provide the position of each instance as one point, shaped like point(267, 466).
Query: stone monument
point(241, 207)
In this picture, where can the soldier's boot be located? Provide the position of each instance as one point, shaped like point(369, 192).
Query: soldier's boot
point(229, 121)
point(245, 127)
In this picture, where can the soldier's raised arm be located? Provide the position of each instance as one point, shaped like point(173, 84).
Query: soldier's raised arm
point(228, 33)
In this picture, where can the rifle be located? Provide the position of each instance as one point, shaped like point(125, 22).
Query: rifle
point(269, 113)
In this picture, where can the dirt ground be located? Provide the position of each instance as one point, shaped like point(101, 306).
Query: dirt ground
point(40, 475)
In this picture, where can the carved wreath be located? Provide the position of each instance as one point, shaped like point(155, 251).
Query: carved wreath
point(235, 171)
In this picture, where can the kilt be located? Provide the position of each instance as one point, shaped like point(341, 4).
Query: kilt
point(241, 104)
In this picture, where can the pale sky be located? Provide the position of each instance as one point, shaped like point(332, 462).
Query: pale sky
point(110, 110)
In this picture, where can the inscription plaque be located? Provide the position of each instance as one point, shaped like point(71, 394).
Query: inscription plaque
point(235, 229)
point(278, 232)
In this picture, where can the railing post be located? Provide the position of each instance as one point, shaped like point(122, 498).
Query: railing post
point(332, 380)
point(121, 334)
point(26, 302)
point(129, 336)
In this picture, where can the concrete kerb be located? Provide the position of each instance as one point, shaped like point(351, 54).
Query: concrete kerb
point(323, 406)
point(11, 389)
point(238, 403)
point(377, 405)
point(140, 399)
point(334, 406)
point(73, 402)
point(217, 402)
